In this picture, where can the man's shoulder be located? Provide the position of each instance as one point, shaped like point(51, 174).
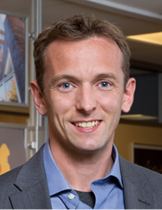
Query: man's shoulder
point(25, 186)
point(7, 187)
point(28, 169)
point(9, 177)
point(138, 174)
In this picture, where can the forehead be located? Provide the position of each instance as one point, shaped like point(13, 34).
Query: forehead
point(90, 55)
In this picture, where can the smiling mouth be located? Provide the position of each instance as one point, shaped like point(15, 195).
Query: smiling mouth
point(87, 125)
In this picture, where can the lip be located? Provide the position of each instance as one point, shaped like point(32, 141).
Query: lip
point(85, 121)
point(86, 130)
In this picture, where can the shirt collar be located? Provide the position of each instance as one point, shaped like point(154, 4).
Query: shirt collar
point(115, 171)
point(57, 182)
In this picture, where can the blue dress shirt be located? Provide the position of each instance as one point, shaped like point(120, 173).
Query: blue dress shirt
point(108, 191)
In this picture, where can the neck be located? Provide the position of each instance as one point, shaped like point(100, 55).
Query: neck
point(79, 169)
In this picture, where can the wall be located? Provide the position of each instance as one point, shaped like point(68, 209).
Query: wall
point(15, 115)
point(128, 133)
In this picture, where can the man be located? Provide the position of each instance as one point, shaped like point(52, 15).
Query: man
point(82, 73)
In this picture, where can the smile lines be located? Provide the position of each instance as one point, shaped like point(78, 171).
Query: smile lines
point(87, 125)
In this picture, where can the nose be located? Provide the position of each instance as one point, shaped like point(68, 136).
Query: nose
point(86, 100)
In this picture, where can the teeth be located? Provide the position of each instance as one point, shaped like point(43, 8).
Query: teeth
point(88, 124)
point(84, 124)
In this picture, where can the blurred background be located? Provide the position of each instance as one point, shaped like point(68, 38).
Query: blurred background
point(139, 131)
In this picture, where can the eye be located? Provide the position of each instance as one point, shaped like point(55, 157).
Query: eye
point(104, 84)
point(66, 85)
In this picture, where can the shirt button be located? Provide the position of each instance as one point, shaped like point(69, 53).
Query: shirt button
point(71, 196)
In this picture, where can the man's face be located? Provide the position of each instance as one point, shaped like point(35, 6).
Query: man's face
point(84, 93)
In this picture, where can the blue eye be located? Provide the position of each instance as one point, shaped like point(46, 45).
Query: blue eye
point(66, 85)
point(104, 84)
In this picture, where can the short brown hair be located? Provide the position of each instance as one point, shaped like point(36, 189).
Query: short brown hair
point(78, 27)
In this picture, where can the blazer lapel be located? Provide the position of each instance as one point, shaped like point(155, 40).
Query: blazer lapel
point(36, 197)
point(31, 186)
point(135, 195)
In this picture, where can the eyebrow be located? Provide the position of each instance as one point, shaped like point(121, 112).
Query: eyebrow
point(105, 75)
point(63, 76)
point(73, 78)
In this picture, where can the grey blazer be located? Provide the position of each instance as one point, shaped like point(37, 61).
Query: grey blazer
point(26, 186)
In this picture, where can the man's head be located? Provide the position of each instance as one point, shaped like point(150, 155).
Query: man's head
point(82, 86)
point(78, 28)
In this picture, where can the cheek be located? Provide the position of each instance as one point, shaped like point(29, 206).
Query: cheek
point(110, 102)
point(60, 104)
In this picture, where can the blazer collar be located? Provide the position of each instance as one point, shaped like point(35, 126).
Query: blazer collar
point(32, 189)
point(135, 195)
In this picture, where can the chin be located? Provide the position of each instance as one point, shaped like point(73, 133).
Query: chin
point(88, 148)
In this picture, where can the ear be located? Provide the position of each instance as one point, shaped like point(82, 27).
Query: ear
point(38, 98)
point(129, 95)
